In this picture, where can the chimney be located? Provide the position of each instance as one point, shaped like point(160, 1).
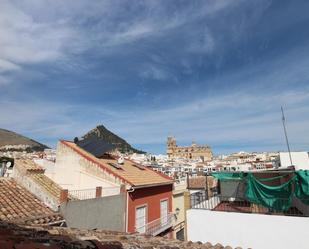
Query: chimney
point(98, 192)
point(64, 193)
point(123, 188)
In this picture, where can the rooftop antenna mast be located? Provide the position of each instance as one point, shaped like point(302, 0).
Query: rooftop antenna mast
point(286, 135)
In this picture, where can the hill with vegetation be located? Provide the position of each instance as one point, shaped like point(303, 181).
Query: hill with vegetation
point(120, 144)
point(12, 141)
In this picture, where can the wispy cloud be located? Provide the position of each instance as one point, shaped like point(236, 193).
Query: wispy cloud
point(6, 66)
point(31, 35)
point(25, 40)
point(221, 120)
point(213, 71)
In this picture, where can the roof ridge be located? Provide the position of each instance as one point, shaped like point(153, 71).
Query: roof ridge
point(102, 164)
point(83, 153)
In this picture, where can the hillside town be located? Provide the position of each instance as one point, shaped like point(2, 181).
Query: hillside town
point(154, 124)
point(74, 185)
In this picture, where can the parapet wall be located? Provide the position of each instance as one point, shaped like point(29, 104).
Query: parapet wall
point(99, 213)
point(256, 231)
point(24, 179)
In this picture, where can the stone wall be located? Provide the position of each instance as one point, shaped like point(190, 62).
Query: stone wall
point(192, 152)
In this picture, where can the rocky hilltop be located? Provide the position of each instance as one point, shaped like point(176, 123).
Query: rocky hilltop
point(11, 141)
point(111, 138)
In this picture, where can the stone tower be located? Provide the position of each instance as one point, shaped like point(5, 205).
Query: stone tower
point(171, 145)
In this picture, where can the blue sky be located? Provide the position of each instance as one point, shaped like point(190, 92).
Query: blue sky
point(212, 71)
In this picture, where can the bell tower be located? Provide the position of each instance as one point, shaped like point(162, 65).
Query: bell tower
point(170, 146)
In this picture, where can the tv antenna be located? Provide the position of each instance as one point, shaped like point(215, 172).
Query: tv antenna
point(286, 135)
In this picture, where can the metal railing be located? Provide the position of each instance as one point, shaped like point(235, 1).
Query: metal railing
point(200, 200)
point(157, 226)
point(109, 191)
point(83, 194)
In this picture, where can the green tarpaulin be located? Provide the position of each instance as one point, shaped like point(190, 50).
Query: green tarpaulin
point(274, 197)
point(302, 186)
point(228, 175)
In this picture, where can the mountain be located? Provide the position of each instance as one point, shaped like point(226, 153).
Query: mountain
point(111, 138)
point(12, 141)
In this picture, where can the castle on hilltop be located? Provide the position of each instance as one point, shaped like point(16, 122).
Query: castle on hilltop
point(194, 151)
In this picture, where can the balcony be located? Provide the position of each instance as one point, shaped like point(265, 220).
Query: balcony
point(157, 226)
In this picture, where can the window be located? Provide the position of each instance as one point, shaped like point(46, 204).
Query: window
point(140, 219)
point(163, 212)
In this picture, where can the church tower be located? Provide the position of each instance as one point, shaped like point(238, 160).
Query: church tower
point(170, 146)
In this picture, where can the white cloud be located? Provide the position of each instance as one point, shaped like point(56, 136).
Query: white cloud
point(25, 40)
point(6, 66)
point(227, 119)
point(35, 31)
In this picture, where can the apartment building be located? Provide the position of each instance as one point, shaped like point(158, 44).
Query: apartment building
point(148, 194)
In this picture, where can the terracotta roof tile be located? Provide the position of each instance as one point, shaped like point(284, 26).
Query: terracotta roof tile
point(19, 205)
point(36, 173)
point(46, 183)
point(199, 182)
point(13, 236)
point(29, 166)
point(128, 172)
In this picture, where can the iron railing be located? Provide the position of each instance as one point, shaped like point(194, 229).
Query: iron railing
point(83, 194)
point(157, 226)
point(200, 200)
point(109, 191)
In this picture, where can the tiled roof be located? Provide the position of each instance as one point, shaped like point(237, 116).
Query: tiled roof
point(13, 236)
point(128, 172)
point(36, 172)
point(47, 184)
point(199, 182)
point(29, 166)
point(19, 205)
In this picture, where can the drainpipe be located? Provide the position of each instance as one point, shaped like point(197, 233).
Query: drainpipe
point(126, 213)
point(126, 192)
point(206, 186)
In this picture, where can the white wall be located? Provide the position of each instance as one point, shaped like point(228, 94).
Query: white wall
point(299, 159)
point(255, 231)
point(70, 173)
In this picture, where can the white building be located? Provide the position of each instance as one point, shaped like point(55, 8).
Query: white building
point(300, 160)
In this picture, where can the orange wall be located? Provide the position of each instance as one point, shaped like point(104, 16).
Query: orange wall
point(150, 197)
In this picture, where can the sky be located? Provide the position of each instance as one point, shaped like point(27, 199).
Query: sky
point(213, 71)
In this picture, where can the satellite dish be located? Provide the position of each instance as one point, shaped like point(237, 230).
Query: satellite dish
point(120, 160)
